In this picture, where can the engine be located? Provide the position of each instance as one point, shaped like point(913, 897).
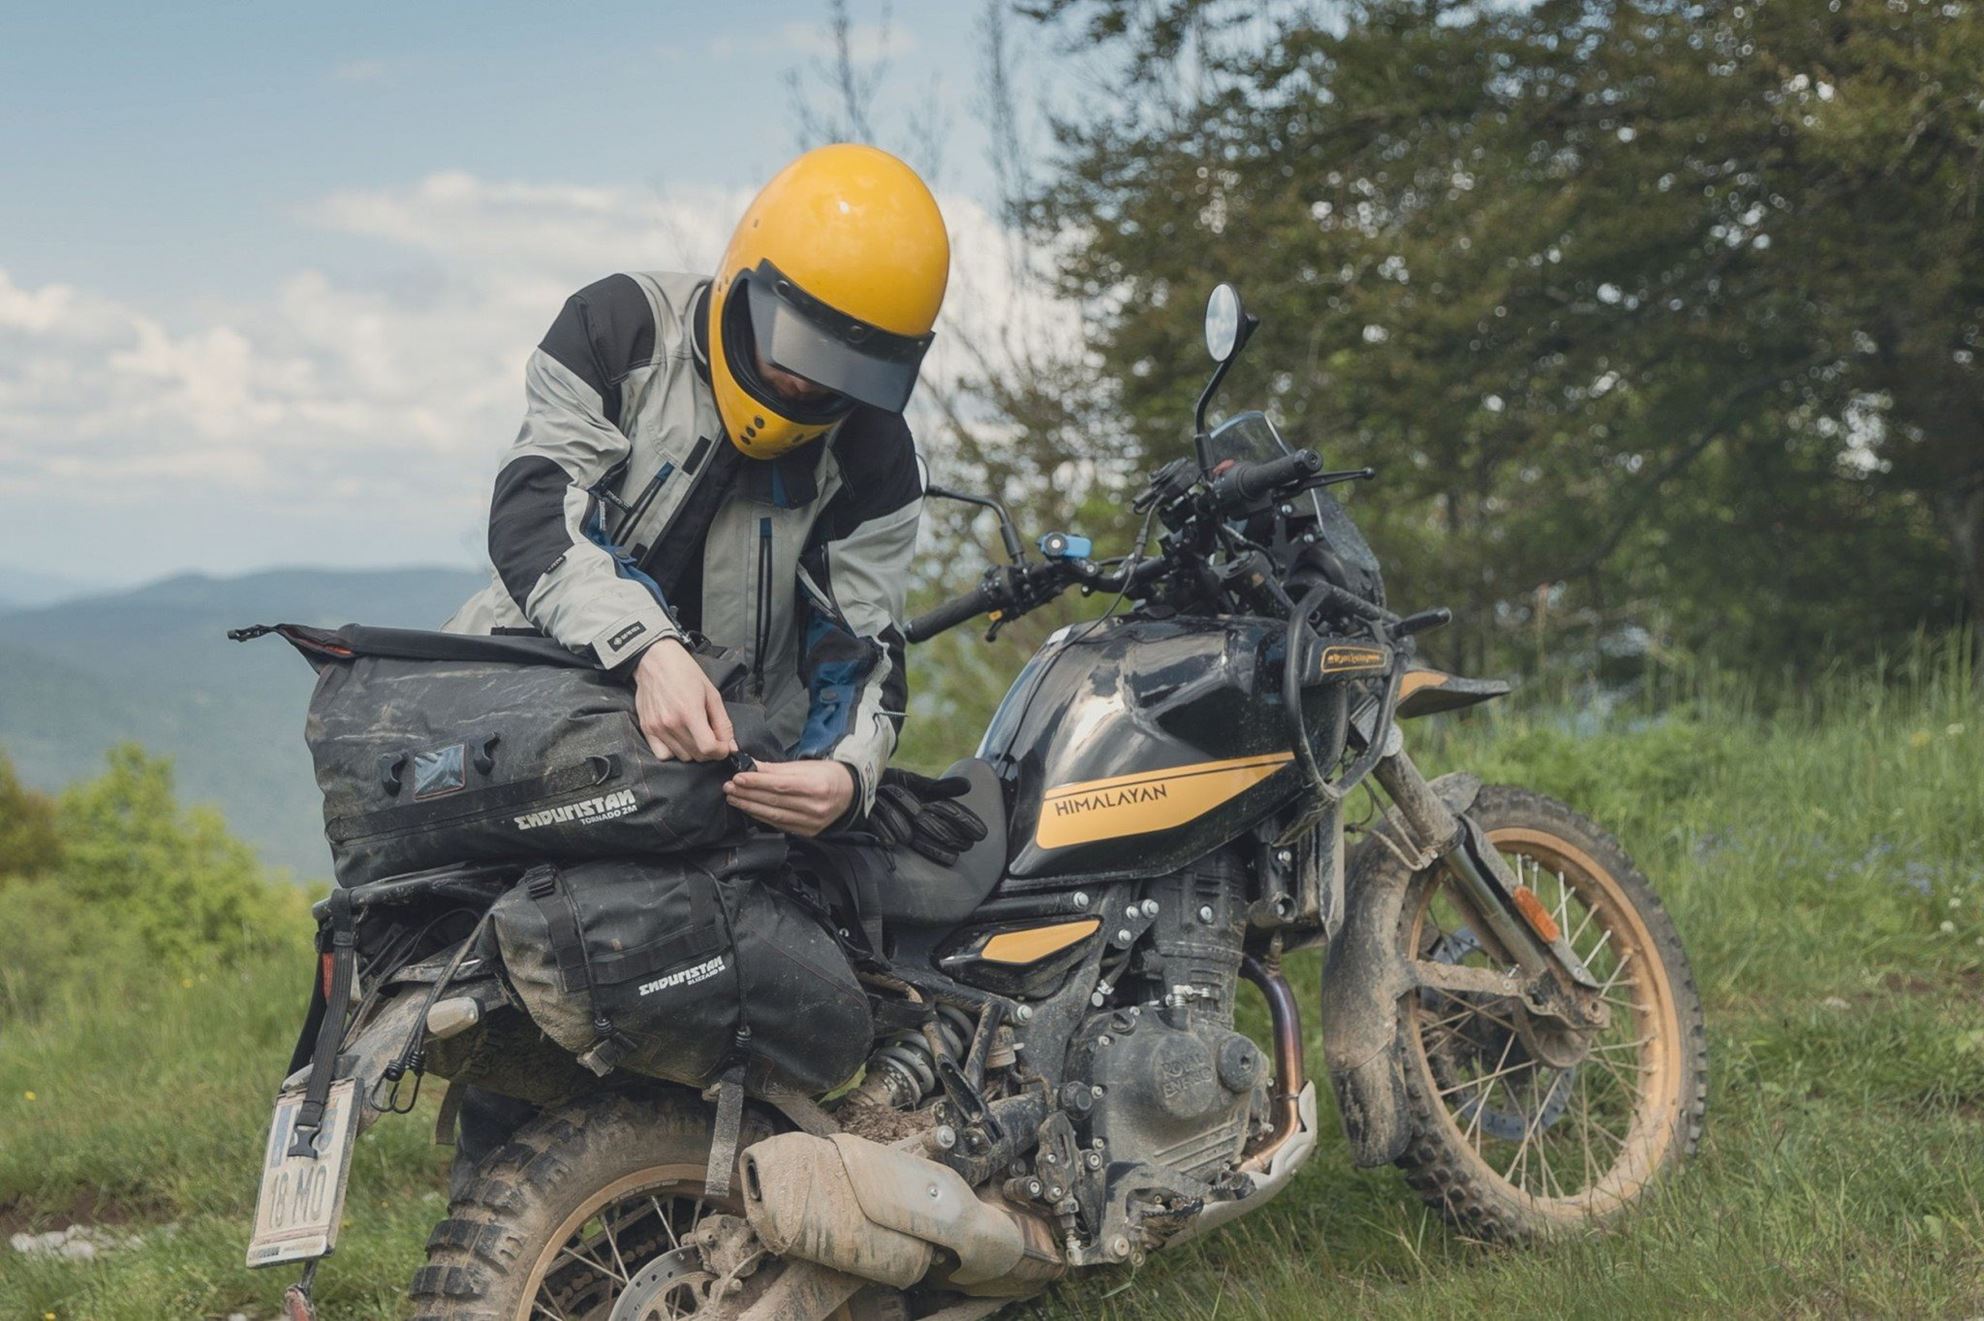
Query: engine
point(1161, 1076)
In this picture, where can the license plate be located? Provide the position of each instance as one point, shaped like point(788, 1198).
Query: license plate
point(302, 1199)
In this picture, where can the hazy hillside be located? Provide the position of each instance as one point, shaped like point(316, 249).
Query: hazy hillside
point(21, 588)
point(154, 665)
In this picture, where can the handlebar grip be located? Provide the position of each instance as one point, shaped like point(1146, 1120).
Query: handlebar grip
point(978, 601)
point(1248, 482)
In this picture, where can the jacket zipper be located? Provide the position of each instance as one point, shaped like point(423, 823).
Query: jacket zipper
point(764, 630)
point(661, 533)
point(633, 515)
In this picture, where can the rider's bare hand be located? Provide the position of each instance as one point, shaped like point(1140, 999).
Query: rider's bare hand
point(800, 797)
point(678, 707)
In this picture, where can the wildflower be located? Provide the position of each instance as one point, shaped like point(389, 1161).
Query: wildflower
point(29, 1096)
point(1948, 927)
point(1953, 729)
point(1956, 901)
point(185, 983)
point(1919, 739)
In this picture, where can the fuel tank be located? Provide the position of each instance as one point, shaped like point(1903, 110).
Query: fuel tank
point(1141, 745)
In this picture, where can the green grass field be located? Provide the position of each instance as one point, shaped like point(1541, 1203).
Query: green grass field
point(1825, 864)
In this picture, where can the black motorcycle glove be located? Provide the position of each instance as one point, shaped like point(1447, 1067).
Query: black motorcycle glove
point(916, 812)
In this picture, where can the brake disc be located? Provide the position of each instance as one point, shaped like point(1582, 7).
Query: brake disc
point(672, 1285)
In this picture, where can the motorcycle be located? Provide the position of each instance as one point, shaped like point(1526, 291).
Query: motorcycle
point(1058, 1082)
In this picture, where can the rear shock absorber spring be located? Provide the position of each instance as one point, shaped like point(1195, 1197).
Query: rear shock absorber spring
point(902, 1071)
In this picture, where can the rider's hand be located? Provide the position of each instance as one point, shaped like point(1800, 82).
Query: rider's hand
point(678, 707)
point(800, 797)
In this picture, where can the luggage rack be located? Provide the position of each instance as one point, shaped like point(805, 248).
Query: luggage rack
point(471, 883)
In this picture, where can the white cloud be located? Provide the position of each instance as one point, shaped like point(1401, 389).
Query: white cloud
point(386, 400)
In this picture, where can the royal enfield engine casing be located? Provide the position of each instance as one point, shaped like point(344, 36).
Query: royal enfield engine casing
point(1174, 1093)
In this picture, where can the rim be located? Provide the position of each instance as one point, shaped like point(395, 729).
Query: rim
point(1571, 1142)
point(598, 1250)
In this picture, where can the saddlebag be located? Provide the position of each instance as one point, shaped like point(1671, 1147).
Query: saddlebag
point(686, 968)
point(435, 748)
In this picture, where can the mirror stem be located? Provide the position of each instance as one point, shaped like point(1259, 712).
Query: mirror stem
point(1247, 326)
point(1008, 534)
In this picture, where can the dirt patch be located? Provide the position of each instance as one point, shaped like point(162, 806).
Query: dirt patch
point(880, 1124)
point(1969, 982)
point(21, 1215)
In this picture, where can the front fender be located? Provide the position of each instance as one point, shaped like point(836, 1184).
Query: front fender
point(1362, 982)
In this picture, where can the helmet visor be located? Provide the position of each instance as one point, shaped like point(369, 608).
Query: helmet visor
point(798, 333)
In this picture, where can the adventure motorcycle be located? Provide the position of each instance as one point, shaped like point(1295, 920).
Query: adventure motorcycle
point(1056, 1080)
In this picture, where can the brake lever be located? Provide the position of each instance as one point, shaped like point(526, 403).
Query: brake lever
point(1323, 479)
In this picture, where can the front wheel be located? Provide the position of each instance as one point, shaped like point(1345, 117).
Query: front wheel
point(1504, 1143)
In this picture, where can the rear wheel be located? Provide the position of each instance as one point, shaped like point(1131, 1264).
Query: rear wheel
point(587, 1214)
point(1509, 1144)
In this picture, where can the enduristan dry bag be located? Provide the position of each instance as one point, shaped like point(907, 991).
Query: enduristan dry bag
point(434, 748)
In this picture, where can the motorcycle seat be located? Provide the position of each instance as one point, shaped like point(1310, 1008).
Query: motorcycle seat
point(925, 893)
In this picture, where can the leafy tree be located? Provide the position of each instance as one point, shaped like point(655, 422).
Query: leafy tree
point(1656, 317)
point(144, 889)
point(29, 845)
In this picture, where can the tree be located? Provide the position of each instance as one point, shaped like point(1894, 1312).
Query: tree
point(29, 845)
point(1649, 313)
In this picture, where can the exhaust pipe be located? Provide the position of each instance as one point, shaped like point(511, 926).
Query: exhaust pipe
point(883, 1214)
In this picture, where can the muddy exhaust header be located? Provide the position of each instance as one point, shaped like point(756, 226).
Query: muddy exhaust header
point(889, 1216)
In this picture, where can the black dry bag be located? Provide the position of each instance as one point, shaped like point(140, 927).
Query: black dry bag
point(436, 748)
point(684, 968)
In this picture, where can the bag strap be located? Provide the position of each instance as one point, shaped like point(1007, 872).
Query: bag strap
point(561, 926)
point(337, 1003)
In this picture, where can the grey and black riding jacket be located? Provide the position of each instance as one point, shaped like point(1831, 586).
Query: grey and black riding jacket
point(623, 516)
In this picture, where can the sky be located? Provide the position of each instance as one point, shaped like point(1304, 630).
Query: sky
point(269, 273)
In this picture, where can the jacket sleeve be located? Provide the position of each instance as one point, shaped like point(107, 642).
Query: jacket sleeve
point(547, 534)
point(854, 583)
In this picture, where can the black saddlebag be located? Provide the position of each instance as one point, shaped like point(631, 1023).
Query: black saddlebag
point(684, 968)
point(434, 748)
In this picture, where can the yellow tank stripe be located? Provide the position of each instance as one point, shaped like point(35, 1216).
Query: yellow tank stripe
point(1120, 805)
point(1037, 942)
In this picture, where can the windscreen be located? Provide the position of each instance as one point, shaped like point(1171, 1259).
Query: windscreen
point(1252, 438)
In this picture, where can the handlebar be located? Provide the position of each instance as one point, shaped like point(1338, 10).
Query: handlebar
point(1013, 590)
point(980, 600)
point(1245, 483)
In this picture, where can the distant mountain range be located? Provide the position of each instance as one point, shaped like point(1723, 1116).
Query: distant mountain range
point(21, 588)
point(153, 665)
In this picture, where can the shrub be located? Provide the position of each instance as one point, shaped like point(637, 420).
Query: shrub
point(29, 845)
point(143, 889)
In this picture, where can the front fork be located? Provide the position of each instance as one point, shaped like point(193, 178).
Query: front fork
point(1554, 981)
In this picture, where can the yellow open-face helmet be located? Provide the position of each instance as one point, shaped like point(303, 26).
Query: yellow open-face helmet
point(835, 274)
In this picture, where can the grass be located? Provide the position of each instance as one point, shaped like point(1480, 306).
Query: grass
point(1824, 861)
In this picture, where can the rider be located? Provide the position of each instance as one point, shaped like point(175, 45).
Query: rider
point(727, 456)
point(622, 521)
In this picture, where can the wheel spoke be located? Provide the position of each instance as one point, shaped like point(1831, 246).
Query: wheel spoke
point(1481, 1108)
point(667, 1227)
point(1490, 1078)
point(613, 1245)
point(584, 1260)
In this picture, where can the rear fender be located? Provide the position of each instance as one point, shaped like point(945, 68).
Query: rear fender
point(388, 1026)
point(1362, 983)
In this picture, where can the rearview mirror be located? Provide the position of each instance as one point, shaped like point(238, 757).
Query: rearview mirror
point(1223, 322)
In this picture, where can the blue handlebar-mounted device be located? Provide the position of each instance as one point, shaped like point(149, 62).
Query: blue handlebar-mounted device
point(1065, 546)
